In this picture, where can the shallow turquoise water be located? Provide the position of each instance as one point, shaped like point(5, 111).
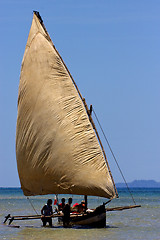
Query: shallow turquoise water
point(139, 223)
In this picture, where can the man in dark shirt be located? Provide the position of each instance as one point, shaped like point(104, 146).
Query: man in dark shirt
point(61, 205)
point(66, 212)
point(47, 212)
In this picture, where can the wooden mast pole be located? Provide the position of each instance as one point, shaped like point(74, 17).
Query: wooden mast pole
point(86, 202)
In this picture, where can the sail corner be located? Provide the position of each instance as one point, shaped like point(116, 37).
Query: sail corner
point(38, 16)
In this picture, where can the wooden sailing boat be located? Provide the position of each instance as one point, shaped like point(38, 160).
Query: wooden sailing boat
point(58, 148)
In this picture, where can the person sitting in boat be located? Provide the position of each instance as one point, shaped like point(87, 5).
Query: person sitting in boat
point(61, 205)
point(66, 211)
point(75, 208)
point(82, 207)
point(79, 208)
point(47, 212)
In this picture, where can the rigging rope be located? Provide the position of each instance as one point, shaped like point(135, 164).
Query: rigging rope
point(113, 156)
point(32, 205)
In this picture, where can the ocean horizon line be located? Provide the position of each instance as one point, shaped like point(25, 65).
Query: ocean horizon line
point(134, 184)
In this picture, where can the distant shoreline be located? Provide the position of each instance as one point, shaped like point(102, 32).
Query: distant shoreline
point(140, 184)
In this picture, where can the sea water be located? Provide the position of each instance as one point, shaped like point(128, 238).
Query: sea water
point(138, 223)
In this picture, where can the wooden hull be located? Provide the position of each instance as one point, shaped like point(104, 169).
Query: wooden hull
point(96, 219)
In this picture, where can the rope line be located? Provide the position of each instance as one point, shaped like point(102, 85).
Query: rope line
point(32, 205)
point(114, 156)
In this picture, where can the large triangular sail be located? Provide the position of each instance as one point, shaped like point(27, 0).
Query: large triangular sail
point(56, 147)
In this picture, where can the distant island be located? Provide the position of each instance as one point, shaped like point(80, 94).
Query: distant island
point(140, 184)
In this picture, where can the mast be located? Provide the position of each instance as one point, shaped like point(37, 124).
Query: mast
point(86, 202)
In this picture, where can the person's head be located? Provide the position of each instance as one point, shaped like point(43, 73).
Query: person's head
point(70, 200)
point(49, 202)
point(83, 203)
point(63, 200)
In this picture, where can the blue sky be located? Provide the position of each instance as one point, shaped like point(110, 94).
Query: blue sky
point(112, 49)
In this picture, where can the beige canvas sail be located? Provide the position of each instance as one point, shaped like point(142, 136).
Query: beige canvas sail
point(56, 147)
